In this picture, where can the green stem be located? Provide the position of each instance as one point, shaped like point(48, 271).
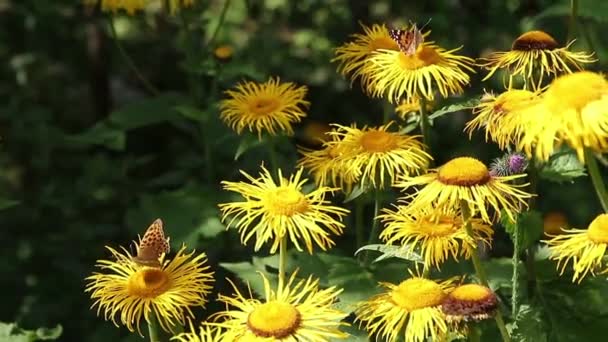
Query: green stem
point(474, 335)
point(596, 178)
point(153, 330)
point(272, 153)
point(480, 271)
point(530, 251)
point(424, 123)
point(359, 206)
point(282, 260)
point(515, 277)
point(387, 111)
point(219, 23)
point(373, 236)
point(130, 63)
point(572, 22)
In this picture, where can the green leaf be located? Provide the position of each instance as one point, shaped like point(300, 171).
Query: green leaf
point(193, 113)
point(562, 166)
point(100, 134)
point(146, 112)
point(528, 326)
point(596, 10)
point(471, 103)
point(6, 203)
point(357, 191)
point(247, 143)
point(530, 225)
point(10, 332)
point(389, 251)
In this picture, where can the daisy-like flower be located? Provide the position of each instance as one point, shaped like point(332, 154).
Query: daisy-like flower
point(469, 303)
point(501, 116)
point(574, 110)
point(272, 211)
point(431, 69)
point(466, 181)
point(298, 311)
point(413, 306)
point(379, 155)
point(411, 105)
point(535, 55)
point(132, 6)
point(328, 166)
point(585, 248)
point(270, 107)
point(438, 234)
point(354, 55)
point(206, 333)
point(128, 292)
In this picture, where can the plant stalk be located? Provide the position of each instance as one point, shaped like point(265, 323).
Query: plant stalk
point(153, 330)
point(282, 261)
point(424, 123)
point(373, 235)
point(596, 178)
point(573, 18)
point(515, 277)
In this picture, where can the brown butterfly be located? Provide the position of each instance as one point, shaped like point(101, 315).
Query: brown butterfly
point(408, 40)
point(152, 245)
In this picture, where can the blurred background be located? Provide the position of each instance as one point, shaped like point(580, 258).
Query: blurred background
point(90, 156)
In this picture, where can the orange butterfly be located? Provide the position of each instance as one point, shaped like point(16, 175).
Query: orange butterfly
point(152, 245)
point(408, 40)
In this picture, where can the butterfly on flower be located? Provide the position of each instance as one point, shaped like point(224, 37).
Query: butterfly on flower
point(408, 39)
point(152, 245)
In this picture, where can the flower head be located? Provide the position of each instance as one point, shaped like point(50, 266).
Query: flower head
point(129, 292)
point(574, 110)
point(379, 155)
point(354, 55)
point(438, 234)
point(430, 69)
point(469, 302)
point(535, 55)
point(466, 181)
point(585, 248)
point(502, 116)
point(297, 311)
point(413, 306)
point(271, 211)
point(509, 164)
point(270, 107)
point(206, 333)
point(223, 53)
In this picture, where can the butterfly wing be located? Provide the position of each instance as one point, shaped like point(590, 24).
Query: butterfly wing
point(407, 40)
point(152, 245)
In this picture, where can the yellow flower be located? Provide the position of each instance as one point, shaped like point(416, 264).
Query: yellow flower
point(533, 56)
point(298, 311)
point(206, 333)
point(377, 154)
point(438, 234)
point(573, 109)
point(467, 181)
point(412, 306)
point(469, 302)
point(501, 116)
point(129, 292)
point(270, 107)
point(223, 52)
point(353, 56)
point(327, 165)
point(272, 211)
point(400, 76)
point(584, 247)
point(132, 6)
point(411, 105)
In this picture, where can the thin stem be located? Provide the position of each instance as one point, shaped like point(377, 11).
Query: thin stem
point(387, 112)
point(219, 23)
point(282, 260)
point(530, 251)
point(572, 22)
point(130, 63)
point(480, 271)
point(424, 123)
point(596, 178)
point(373, 235)
point(515, 277)
point(153, 330)
point(359, 206)
point(474, 335)
point(272, 153)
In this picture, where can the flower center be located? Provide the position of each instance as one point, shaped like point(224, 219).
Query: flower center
point(286, 201)
point(598, 229)
point(425, 55)
point(469, 302)
point(264, 106)
point(464, 171)
point(471, 292)
point(534, 40)
point(511, 100)
point(417, 293)
point(575, 91)
point(223, 52)
point(438, 227)
point(148, 282)
point(274, 319)
point(378, 141)
point(383, 43)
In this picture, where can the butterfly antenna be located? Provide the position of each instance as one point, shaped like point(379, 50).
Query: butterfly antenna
point(423, 26)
